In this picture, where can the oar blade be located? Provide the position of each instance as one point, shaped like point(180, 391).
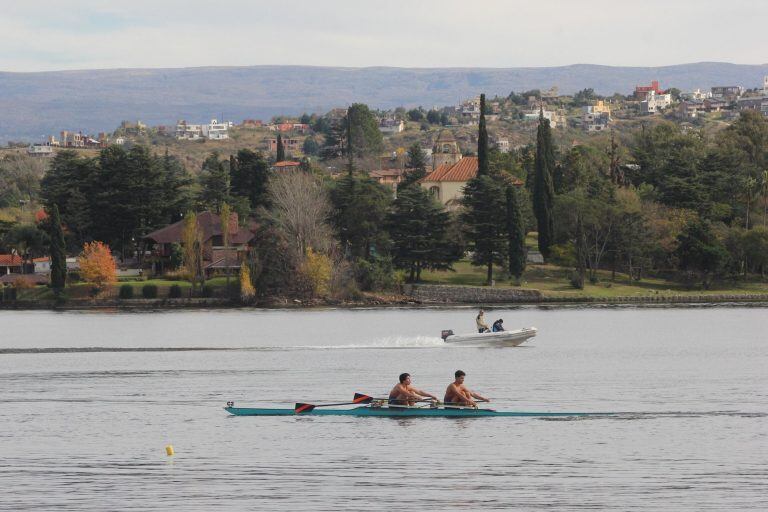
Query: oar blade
point(303, 408)
point(362, 399)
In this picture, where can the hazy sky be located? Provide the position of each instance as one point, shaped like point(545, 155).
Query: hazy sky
point(78, 34)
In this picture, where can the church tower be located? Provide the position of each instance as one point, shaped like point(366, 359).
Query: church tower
point(445, 150)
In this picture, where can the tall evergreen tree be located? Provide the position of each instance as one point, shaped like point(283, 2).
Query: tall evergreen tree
point(363, 135)
point(515, 233)
point(360, 208)
point(58, 252)
point(280, 149)
point(543, 186)
point(249, 172)
point(417, 163)
point(485, 224)
point(418, 226)
point(484, 215)
point(482, 141)
point(215, 183)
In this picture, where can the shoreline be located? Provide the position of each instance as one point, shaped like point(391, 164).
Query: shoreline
point(387, 301)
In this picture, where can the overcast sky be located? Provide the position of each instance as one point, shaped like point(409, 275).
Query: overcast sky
point(38, 35)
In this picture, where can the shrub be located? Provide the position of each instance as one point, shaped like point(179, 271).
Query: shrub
point(247, 291)
point(577, 280)
point(375, 275)
point(317, 270)
point(174, 292)
point(149, 291)
point(22, 284)
point(126, 291)
point(207, 291)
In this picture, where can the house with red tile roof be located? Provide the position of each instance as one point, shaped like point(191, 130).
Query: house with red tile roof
point(446, 183)
point(215, 255)
point(10, 264)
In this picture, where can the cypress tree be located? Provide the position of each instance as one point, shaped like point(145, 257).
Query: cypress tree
point(515, 233)
point(482, 141)
point(58, 254)
point(543, 187)
point(280, 149)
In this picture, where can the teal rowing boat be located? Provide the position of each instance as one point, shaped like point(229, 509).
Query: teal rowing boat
point(404, 412)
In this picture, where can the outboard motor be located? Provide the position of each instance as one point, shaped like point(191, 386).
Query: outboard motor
point(446, 333)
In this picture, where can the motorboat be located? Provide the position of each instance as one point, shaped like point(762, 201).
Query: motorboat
point(500, 338)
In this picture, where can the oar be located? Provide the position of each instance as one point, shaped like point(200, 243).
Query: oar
point(359, 399)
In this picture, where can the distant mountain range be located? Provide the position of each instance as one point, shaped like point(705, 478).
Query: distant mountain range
point(33, 105)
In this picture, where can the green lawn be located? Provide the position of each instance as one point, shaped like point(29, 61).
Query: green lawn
point(553, 281)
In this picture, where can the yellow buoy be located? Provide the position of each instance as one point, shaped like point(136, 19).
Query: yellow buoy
point(169, 450)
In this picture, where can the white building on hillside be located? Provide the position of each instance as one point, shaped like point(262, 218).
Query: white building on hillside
point(655, 103)
point(216, 130)
point(186, 131)
point(550, 115)
point(391, 126)
point(698, 94)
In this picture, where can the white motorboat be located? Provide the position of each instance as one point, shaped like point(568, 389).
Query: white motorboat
point(501, 338)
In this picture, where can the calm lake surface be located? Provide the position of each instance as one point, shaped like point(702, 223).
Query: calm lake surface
point(84, 422)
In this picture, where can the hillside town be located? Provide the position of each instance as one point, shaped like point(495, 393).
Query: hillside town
point(222, 173)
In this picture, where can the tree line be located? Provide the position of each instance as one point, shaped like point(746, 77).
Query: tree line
point(664, 201)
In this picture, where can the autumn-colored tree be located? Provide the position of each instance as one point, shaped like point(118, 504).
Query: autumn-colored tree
point(97, 266)
point(317, 269)
point(192, 249)
point(247, 291)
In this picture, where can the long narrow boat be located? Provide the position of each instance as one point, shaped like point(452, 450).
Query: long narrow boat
point(399, 412)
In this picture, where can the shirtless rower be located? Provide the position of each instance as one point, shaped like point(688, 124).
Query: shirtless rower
point(405, 394)
point(458, 394)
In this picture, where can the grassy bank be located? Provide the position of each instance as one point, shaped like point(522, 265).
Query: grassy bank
point(553, 281)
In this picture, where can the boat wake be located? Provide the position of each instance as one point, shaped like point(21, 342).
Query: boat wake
point(381, 343)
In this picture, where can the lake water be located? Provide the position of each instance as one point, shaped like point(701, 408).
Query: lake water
point(89, 400)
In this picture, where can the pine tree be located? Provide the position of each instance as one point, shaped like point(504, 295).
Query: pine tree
point(417, 163)
point(58, 254)
point(515, 233)
point(249, 174)
point(280, 149)
point(215, 183)
point(360, 207)
point(543, 187)
point(418, 226)
point(485, 224)
point(482, 141)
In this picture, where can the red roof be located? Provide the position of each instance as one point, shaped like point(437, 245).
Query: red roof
point(463, 170)
point(286, 163)
point(40, 215)
point(10, 260)
point(210, 224)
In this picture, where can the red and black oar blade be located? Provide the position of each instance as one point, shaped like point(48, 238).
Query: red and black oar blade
point(300, 408)
point(362, 399)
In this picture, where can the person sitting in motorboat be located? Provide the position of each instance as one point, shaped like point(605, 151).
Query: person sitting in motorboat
point(405, 394)
point(498, 325)
point(480, 321)
point(458, 394)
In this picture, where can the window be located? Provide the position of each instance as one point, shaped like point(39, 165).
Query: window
point(435, 191)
